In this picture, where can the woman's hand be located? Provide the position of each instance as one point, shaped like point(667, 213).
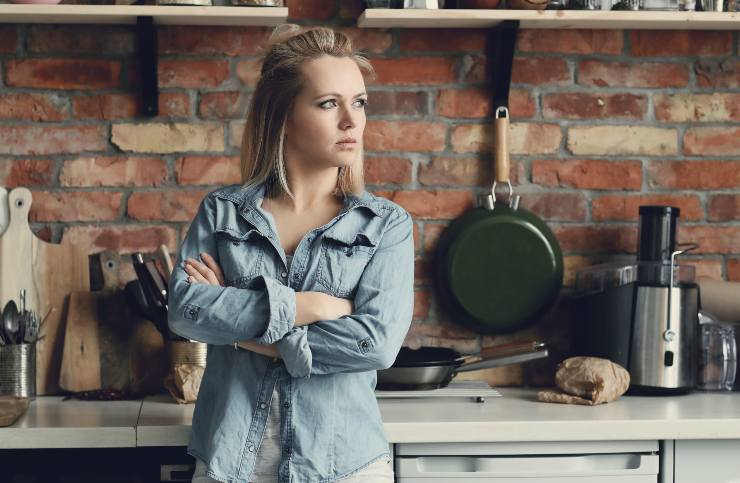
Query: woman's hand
point(210, 273)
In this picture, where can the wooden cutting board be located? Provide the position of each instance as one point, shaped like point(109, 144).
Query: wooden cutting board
point(49, 272)
point(80, 369)
point(3, 209)
point(16, 252)
point(12, 408)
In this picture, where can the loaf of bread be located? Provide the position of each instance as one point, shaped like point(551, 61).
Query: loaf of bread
point(587, 380)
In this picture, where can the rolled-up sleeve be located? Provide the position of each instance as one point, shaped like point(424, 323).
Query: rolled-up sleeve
point(263, 311)
point(370, 338)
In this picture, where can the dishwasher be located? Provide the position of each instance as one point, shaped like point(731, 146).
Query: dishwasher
point(539, 462)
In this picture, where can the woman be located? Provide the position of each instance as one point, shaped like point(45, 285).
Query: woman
point(300, 281)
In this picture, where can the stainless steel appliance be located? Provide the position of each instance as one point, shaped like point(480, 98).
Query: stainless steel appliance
point(643, 315)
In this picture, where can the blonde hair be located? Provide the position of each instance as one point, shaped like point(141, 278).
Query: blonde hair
point(280, 81)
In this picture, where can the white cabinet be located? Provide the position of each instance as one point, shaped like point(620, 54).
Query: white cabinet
point(706, 461)
point(542, 462)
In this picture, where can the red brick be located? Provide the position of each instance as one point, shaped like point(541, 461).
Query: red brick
point(555, 206)
point(540, 70)
point(414, 71)
point(8, 39)
point(593, 106)
point(608, 238)
point(442, 334)
point(733, 269)
point(394, 103)
point(711, 239)
point(593, 174)
point(723, 73)
point(223, 105)
point(404, 136)
point(444, 170)
point(113, 171)
point(668, 43)
point(25, 172)
point(644, 74)
point(37, 140)
point(192, 73)
point(588, 41)
point(441, 40)
point(476, 103)
point(63, 73)
point(524, 138)
point(712, 141)
point(207, 170)
point(205, 40)
point(421, 303)
point(706, 267)
point(384, 170)
point(75, 206)
point(432, 232)
point(368, 40)
point(174, 104)
point(415, 234)
point(724, 208)
point(123, 239)
point(32, 107)
point(422, 271)
point(699, 174)
point(684, 107)
point(248, 71)
point(619, 207)
point(164, 205)
point(106, 106)
point(435, 204)
point(311, 9)
point(80, 39)
point(474, 69)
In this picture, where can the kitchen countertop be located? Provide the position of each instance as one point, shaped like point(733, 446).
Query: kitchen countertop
point(517, 416)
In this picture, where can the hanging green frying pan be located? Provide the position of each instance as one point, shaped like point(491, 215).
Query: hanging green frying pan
point(499, 267)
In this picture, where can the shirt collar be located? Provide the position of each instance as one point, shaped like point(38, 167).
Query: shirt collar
point(250, 194)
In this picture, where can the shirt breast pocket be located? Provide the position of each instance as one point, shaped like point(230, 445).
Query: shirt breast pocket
point(240, 254)
point(342, 263)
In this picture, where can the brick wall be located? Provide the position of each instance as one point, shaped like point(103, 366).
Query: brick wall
point(603, 121)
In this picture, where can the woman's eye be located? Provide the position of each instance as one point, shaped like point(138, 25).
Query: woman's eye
point(333, 103)
point(325, 104)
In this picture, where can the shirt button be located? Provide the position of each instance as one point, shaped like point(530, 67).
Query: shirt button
point(263, 405)
point(286, 404)
point(284, 274)
point(236, 243)
point(251, 448)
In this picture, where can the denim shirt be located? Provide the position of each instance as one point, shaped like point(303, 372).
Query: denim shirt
point(330, 420)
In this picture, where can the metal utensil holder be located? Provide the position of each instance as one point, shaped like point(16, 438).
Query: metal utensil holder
point(18, 370)
point(186, 352)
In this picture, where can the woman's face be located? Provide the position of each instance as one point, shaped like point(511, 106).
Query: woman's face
point(329, 109)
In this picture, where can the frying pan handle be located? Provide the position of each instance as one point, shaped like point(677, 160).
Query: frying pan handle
point(501, 158)
point(511, 349)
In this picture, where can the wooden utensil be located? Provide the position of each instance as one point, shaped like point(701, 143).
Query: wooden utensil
point(80, 369)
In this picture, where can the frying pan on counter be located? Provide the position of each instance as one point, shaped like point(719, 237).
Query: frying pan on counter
point(435, 367)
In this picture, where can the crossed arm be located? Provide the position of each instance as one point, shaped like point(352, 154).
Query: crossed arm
point(310, 306)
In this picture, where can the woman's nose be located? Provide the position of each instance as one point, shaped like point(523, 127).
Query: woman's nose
point(347, 120)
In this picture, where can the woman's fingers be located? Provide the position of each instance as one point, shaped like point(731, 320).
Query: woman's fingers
point(200, 272)
point(211, 263)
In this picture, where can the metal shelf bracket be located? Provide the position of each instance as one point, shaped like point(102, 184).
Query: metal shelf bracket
point(146, 49)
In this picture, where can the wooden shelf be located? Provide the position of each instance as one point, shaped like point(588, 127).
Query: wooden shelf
point(550, 19)
point(127, 14)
